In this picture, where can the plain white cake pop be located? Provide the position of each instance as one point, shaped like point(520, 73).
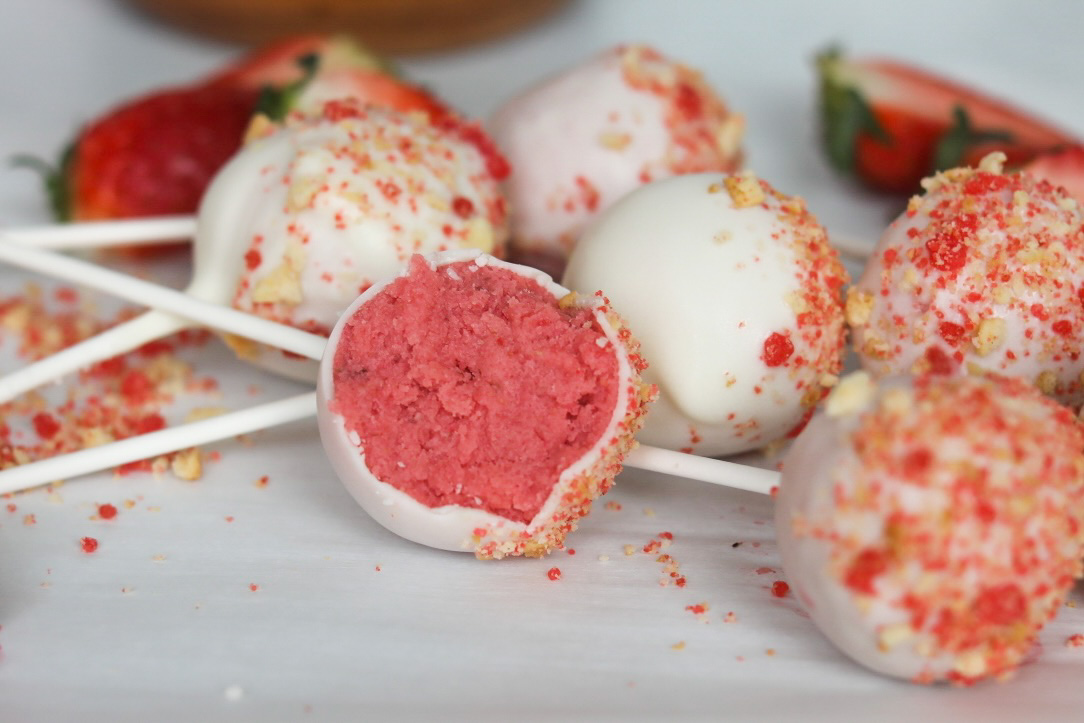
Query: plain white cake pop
point(736, 297)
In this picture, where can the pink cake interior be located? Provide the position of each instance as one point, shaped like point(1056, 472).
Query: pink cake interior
point(469, 386)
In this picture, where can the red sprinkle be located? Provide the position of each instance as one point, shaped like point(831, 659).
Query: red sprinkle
point(107, 511)
point(45, 425)
point(462, 206)
point(951, 333)
point(253, 257)
point(780, 588)
point(867, 567)
point(777, 349)
point(89, 544)
point(554, 573)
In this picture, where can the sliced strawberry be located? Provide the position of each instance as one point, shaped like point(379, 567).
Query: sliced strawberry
point(341, 69)
point(1064, 167)
point(892, 124)
point(155, 155)
point(276, 64)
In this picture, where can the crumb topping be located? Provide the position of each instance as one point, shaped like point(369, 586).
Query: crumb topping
point(957, 524)
point(983, 272)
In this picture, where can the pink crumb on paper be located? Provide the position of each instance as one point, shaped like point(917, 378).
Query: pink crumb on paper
point(470, 385)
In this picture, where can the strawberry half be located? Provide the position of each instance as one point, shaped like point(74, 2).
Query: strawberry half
point(153, 156)
point(892, 124)
point(156, 154)
point(1064, 167)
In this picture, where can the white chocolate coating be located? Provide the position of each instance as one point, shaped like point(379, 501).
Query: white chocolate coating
point(920, 545)
point(582, 139)
point(983, 271)
point(705, 283)
point(303, 220)
point(454, 527)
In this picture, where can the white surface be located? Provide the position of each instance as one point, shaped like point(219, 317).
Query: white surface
point(441, 635)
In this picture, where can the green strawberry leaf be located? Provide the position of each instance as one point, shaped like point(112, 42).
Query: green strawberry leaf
point(844, 113)
point(55, 178)
point(276, 103)
point(960, 138)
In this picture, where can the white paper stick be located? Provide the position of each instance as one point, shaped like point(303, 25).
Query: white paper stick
point(851, 247)
point(95, 459)
point(215, 316)
point(704, 469)
point(164, 229)
point(101, 234)
point(112, 342)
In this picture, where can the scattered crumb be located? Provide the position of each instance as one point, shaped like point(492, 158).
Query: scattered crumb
point(730, 617)
point(263, 481)
point(186, 464)
point(613, 505)
point(253, 587)
point(700, 610)
point(603, 558)
point(678, 646)
point(1075, 641)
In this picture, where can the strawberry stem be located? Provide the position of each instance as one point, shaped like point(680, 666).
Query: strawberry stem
point(275, 103)
point(844, 113)
point(961, 137)
point(55, 179)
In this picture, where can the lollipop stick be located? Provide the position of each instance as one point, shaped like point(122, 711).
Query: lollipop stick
point(111, 342)
point(215, 316)
point(704, 469)
point(100, 234)
point(95, 459)
point(851, 247)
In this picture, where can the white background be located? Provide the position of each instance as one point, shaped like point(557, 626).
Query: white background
point(440, 635)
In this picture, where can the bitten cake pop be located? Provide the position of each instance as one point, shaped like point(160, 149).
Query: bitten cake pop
point(306, 217)
point(309, 346)
point(736, 297)
point(985, 270)
point(582, 139)
point(475, 404)
point(932, 526)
